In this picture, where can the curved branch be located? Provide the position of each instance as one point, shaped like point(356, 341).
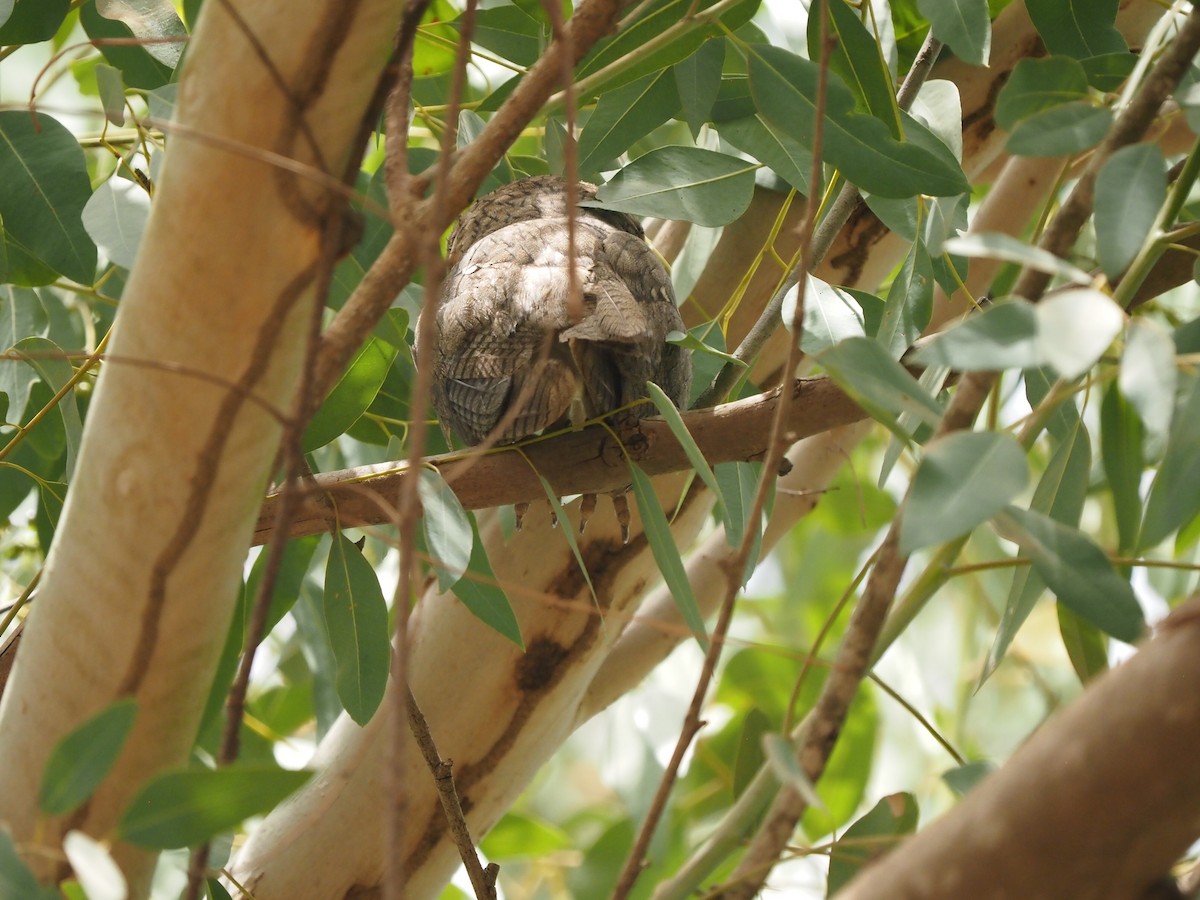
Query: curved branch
point(587, 461)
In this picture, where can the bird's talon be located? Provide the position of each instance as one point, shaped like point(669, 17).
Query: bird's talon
point(519, 510)
point(587, 506)
point(621, 506)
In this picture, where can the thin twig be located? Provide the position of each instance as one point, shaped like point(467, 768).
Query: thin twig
point(482, 880)
point(409, 504)
point(736, 566)
point(866, 623)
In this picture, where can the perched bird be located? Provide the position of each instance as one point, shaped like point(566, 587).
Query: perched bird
point(509, 358)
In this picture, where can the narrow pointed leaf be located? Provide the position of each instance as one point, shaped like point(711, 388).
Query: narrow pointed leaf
point(447, 527)
point(1077, 570)
point(624, 116)
point(1130, 189)
point(1175, 495)
point(870, 838)
point(778, 150)
point(1061, 131)
point(991, 245)
point(963, 25)
point(695, 456)
point(857, 59)
point(666, 554)
point(1121, 438)
point(698, 79)
point(1148, 374)
point(963, 480)
point(1039, 84)
point(686, 183)
point(480, 593)
point(883, 387)
point(185, 808)
point(781, 757)
point(1078, 28)
point(351, 396)
point(16, 880)
point(568, 533)
point(356, 618)
point(82, 759)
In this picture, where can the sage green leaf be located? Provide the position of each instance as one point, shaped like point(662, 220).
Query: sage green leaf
point(784, 88)
point(992, 245)
point(962, 778)
point(909, 302)
point(1060, 493)
point(119, 46)
point(50, 363)
point(879, 384)
point(351, 396)
point(857, 58)
point(687, 183)
point(97, 873)
point(781, 757)
point(739, 484)
point(963, 25)
point(1109, 71)
point(46, 187)
point(1175, 494)
point(22, 315)
point(1077, 570)
point(1086, 645)
point(626, 115)
point(666, 554)
point(154, 23)
point(1039, 84)
point(560, 515)
point(831, 314)
point(115, 218)
point(1002, 336)
point(1061, 131)
point(356, 619)
point(188, 807)
point(1148, 374)
point(483, 596)
point(698, 79)
point(1121, 439)
point(510, 32)
point(1078, 28)
point(695, 456)
point(1130, 190)
point(112, 93)
point(447, 527)
point(84, 757)
point(31, 21)
point(1075, 326)
point(962, 481)
point(783, 154)
point(870, 838)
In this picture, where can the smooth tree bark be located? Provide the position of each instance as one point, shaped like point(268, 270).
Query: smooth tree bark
point(139, 585)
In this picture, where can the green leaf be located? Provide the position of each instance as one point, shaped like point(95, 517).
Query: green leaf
point(510, 32)
point(1061, 131)
point(82, 759)
point(186, 808)
point(435, 42)
point(857, 59)
point(46, 186)
point(1077, 570)
point(16, 880)
point(879, 384)
point(781, 757)
point(666, 554)
point(624, 116)
point(962, 778)
point(115, 218)
point(870, 838)
point(909, 302)
point(963, 480)
point(1130, 190)
point(739, 483)
point(1086, 646)
point(22, 315)
point(1148, 375)
point(1075, 326)
point(1078, 28)
point(356, 617)
point(1121, 436)
point(1060, 494)
point(154, 23)
point(1003, 336)
point(560, 515)
point(522, 836)
point(749, 757)
point(112, 93)
point(784, 155)
point(831, 314)
point(991, 245)
point(94, 868)
point(698, 79)
point(1175, 495)
point(480, 593)
point(351, 396)
point(695, 455)
point(31, 21)
point(447, 527)
point(1036, 85)
point(861, 147)
point(118, 44)
point(963, 25)
point(686, 183)
point(50, 362)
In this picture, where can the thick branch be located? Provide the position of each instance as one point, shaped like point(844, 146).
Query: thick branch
point(583, 461)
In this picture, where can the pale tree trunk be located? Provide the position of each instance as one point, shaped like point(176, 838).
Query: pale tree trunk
point(139, 585)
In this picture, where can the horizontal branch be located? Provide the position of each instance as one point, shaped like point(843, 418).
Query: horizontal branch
point(590, 460)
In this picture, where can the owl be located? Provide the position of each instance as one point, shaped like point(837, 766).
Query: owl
point(511, 358)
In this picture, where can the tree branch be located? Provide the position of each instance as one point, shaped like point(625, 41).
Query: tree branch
point(586, 461)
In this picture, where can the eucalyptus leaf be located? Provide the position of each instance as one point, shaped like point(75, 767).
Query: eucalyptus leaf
point(1061, 131)
point(1078, 28)
point(82, 759)
point(686, 183)
point(964, 25)
point(1039, 84)
point(624, 116)
point(992, 245)
point(1130, 189)
point(447, 527)
point(831, 314)
point(870, 838)
point(883, 387)
point(483, 596)
point(698, 79)
point(1121, 440)
point(356, 619)
point(115, 218)
point(1175, 494)
point(1148, 374)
